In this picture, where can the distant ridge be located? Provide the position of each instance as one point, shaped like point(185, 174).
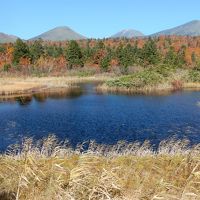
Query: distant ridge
point(191, 28)
point(61, 33)
point(5, 38)
point(128, 33)
point(64, 33)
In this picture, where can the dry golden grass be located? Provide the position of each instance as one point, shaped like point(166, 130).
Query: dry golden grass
point(48, 169)
point(11, 86)
point(192, 86)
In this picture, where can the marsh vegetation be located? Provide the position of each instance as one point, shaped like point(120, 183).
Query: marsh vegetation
point(49, 169)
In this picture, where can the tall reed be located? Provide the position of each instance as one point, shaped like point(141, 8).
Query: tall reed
point(49, 169)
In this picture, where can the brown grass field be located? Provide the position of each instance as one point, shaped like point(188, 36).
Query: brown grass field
point(15, 86)
point(49, 169)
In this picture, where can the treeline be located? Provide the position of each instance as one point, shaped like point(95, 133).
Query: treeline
point(56, 57)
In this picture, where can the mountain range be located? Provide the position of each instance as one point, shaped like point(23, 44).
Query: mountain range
point(191, 29)
point(65, 33)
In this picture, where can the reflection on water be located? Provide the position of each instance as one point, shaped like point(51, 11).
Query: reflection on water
point(26, 99)
point(23, 100)
point(198, 103)
point(81, 114)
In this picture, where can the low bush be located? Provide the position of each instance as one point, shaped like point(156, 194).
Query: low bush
point(194, 76)
point(6, 67)
point(164, 70)
point(137, 80)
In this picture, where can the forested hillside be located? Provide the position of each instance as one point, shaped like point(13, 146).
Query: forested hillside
point(36, 57)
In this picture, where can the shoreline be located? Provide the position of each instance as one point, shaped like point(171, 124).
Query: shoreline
point(31, 85)
point(158, 90)
point(12, 86)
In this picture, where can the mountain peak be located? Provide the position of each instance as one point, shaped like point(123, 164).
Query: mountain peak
point(60, 33)
point(62, 28)
point(128, 33)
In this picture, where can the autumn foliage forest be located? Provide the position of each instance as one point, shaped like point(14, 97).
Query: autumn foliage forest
point(39, 58)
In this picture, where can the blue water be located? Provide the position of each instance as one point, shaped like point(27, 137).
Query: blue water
point(86, 115)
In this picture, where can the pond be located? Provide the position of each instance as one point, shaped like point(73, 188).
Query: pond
point(82, 114)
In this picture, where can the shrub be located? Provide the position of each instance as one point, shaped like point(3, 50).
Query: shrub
point(137, 80)
point(6, 67)
point(2, 49)
point(177, 84)
point(194, 76)
point(85, 73)
point(165, 70)
point(123, 70)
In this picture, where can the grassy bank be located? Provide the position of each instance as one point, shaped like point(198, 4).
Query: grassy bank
point(153, 80)
point(50, 170)
point(159, 79)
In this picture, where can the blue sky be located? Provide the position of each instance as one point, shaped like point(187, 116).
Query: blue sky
point(94, 18)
